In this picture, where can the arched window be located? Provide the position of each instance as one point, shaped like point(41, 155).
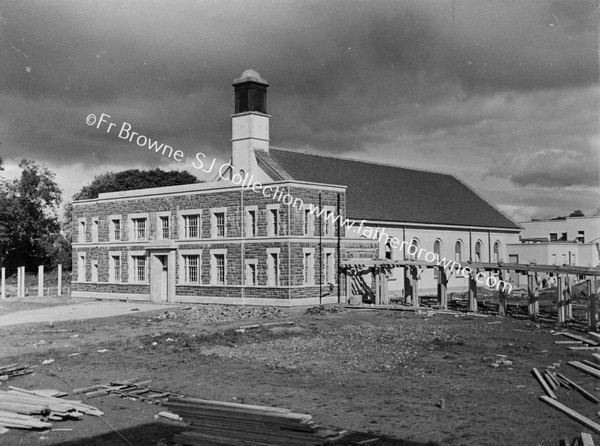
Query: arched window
point(478, 247)
point(458, 251)
point(497, 252)
point(413, 249)
point(437, 250)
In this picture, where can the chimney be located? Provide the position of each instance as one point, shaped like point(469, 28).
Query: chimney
point(249, 123)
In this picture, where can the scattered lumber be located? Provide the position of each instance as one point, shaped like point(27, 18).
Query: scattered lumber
point(580, 389)
point(587, 347)
point(12, 370)
point(34, 409)
point(572, 414)
point(136, 390)
point(568, 342)
point(585, 368)
point(586, 439)
point(221, 423)
point(591, 364)
point(579, 338)
point(543, 383)
point(594, 335)
point(596, 355)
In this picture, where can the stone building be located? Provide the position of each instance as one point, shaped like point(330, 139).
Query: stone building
point(250, 237)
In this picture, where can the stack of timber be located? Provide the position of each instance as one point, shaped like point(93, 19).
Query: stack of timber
point(34, 409)
point(132, 389)
point(11, 370)
point(215, 423)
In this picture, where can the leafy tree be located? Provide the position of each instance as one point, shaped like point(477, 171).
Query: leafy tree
point(576, 213)
point(29, 225)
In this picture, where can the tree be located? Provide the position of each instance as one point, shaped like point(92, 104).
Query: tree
point(576, 213)
point(29, 226)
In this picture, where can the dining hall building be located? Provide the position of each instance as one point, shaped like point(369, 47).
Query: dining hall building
point(229, 241)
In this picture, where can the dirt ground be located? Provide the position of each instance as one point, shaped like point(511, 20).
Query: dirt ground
point(362, 370)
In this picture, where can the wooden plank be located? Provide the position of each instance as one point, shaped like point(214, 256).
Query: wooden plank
point(586, 348)
point(591, 364)
point(551, 383)
point(211, 403)
point(596, 355)
point(572, 414)
point(595, 336)
point(568, 342)
point(580, 389)
point(543, 383)
point(585, 368)
point(579, 338)
point(586, 439)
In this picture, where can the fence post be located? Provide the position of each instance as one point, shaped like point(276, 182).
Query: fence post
point(59, 291)
point(23, 281)
point(18, 281)
point(41, 281)
point(3, 283)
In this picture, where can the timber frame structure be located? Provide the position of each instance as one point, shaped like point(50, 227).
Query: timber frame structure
point(352, 268)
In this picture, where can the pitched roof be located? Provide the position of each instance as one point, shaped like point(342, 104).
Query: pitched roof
point(390, 193)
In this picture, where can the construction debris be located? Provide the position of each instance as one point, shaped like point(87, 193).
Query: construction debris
point(221, 423)
point(572, 414)
point(135, 390)
point(11, 370)
point(34, 409)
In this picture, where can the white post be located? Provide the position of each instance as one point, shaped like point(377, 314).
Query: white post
point(59, 291)
point(22, 281)
point(41, 281)
point(19, 281)
point(3, 283)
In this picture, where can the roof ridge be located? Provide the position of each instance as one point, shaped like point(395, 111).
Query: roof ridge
point(376, 163)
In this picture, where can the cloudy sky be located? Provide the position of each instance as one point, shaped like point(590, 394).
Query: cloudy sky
point(504, 94)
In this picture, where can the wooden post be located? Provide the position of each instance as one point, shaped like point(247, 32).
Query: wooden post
point(567, 294)
point(472, 292)
point(415, 285)
point(41, 281)
point(501, 296)
point(19, 272)
point(3, 283)
point(407, 285)
point(59, 287)
point(377, 290)
point(23, 291)
point(591, 305)
point(533, 308)
point(348, 275)
point(384, 288)
point(560, 304)
point(442, 287)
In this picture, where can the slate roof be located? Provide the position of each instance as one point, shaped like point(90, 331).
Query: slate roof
point(390, 193)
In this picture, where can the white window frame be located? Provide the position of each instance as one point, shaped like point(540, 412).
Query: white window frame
point(308, 223)
point(213, 266)
point(112, 230)
point(81, 230)
point(133, 230)
point(81, 266)
point(273, 268)
point(213, 222)
point(132, 271)
point(183, 216)
point(94, 271)
point(270, 223)
point(160, 217)
point(328, 226)
point(308, 270)
point(247, 272)
point(329, 265)
point(95, 229)
point(251, 228)
point(114, 259)
point(183, 278)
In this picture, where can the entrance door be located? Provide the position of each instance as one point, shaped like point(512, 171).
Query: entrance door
point(159, 279)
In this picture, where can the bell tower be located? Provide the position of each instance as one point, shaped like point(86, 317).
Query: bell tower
point(250, 121)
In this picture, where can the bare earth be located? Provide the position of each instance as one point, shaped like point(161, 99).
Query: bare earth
point(379, 371)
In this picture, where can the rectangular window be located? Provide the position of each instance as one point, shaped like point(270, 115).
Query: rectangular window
point(328, 224)
point(114, 268)
point(191, 226)
point(219, 221)
point(581, 236)
point(553, 236)
point(139, 228)
point(164, 229)
point(309, 268)
point(94, 264)
point(329, 268)
point(191, 268)
point(219, 260)
point(139, 269)
point(554, 259)
point(273, 269)
point(563, 237)
point(115, 229)
point(81, 267)
point(251, 223)
point(95, 230)
point(251, 276)
point(273, 222)
point(308, 223)
point(81, 234)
